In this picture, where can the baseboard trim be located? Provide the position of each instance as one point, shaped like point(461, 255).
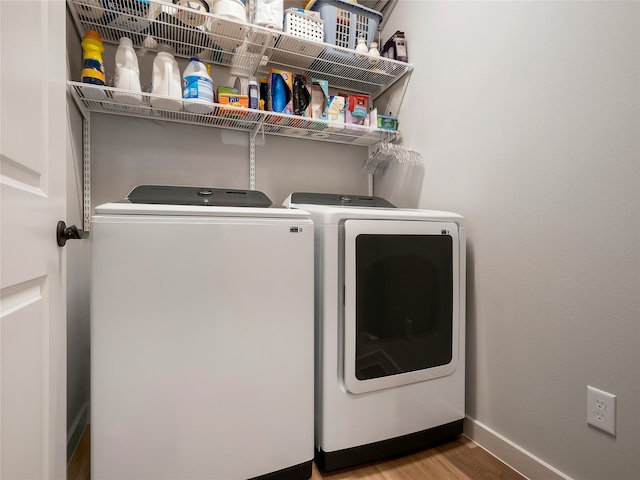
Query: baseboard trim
point(75, 431)
point(508, 452)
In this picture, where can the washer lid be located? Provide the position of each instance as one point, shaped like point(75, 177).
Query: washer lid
point(198, 196)
point(301, 198)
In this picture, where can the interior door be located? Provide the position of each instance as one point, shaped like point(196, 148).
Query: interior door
point(32, 196)
point(401, 307)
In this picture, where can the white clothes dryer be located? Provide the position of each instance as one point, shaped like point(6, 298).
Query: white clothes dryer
point(390, 327)
point(201, 337)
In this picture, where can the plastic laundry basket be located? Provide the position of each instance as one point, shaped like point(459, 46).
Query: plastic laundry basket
point(345, 22)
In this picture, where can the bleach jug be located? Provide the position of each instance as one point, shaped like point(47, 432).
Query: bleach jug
point(127, 74)
point(166, 81)
point(92, 65)
point(197, 88)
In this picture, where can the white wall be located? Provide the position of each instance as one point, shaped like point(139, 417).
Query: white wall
point(527, 114)
point(126, 152)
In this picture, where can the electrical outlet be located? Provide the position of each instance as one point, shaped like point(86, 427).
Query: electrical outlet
point(601, 410)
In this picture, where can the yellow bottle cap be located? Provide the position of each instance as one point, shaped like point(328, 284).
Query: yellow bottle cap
point(93, 35)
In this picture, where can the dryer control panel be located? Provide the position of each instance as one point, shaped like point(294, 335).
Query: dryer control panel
point(301, 198)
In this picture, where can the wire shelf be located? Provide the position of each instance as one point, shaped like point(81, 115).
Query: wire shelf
point(249, 49)
point(93, 98)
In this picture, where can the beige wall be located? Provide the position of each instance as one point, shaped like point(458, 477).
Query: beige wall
point(526, 114)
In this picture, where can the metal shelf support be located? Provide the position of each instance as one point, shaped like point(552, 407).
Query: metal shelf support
point(252, 154)
point(86, 172)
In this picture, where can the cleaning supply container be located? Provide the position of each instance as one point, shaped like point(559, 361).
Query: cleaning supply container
point(230, 9)
point(127, 74)
point(197, 88)
point(166, 85)
point(254, 95)
point(92, 65)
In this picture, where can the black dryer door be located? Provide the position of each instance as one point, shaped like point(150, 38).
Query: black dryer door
point(401, 310)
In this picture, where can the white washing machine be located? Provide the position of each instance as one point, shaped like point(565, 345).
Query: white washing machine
point(390, 327)
point(201, 337)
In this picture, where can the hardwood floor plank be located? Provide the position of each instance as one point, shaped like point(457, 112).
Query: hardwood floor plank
point(80, 465)
point(444, 468)
point(419, 466)
point(457, 460)
point(468, 442)
point(476, 463)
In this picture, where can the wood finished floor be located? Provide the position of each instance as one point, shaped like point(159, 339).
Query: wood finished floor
point(461, 459)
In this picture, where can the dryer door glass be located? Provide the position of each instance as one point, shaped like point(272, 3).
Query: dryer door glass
point(401, 313)
point(404, 290)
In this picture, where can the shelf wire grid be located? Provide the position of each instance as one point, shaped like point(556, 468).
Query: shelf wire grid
point(248, 49)
point(93, 98)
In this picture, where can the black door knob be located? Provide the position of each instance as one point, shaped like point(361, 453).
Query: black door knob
point(64, 233)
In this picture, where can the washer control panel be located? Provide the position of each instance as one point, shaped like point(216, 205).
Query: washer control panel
point(202, 196)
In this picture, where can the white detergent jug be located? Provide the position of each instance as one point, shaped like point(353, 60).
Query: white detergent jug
point(197, 88)
point(127, 74)
point(166, 81)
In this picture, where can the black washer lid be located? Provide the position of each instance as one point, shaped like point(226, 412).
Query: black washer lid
point(301, 198)
point(201, 196)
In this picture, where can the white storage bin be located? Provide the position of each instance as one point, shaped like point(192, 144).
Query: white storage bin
point(303, 25)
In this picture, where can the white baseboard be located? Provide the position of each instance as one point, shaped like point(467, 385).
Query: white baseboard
point(75, 431)
point(508, 452)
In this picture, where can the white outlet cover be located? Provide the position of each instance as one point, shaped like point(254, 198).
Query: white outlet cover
point(601, 410)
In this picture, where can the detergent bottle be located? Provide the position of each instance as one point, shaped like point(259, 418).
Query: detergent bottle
point(254, 95)
point(127, 74)
point(166, 81)
point(92, 64)
point(197, 88)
